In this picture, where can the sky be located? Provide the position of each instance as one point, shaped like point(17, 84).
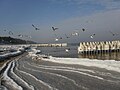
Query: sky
point(96, 16)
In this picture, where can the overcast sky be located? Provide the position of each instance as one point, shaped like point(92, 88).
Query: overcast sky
point(95, 16)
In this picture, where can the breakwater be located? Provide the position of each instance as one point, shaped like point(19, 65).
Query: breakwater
point(99, 47)
point(51, 45)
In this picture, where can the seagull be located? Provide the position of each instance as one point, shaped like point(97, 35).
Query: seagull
point(75, 34)
point(67, 50)
point(10, 33)
point(20, 35)
point(92, 36)
point(114, 34)
point(35, 27)
point(67, 36)
point(56, 39)
point(54, 28)
point(28, 36)
point(83, 29)
point(80, 30)
point(60, 38)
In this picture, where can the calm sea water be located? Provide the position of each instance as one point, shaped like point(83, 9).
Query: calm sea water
point(60, 51)
point(73, 53)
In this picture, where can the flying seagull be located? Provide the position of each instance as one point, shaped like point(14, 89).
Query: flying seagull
point(113, 34)
point(67, 36)
point(92, 36)
point(75, 34)
point(56, 39)
point(54, 28)
point(60, 38)
point(28, 36)
point(83, 29)
point(20, 35)
point(35, 27)
point(10, 33)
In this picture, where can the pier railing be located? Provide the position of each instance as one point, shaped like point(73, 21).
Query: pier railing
point(99, 47)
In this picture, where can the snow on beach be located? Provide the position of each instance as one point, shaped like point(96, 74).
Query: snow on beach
point(12, 50)
point(46, 75)
point(8, 80)
point(107, 64)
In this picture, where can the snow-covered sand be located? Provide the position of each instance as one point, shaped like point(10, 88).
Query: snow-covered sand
point(16, 50)
point(42, 73)
point(107, 64)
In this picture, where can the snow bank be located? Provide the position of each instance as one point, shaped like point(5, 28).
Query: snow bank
point(8, 80)
point(14, 50)
point(7, 55)
point(33, 52)
point(107, 64)
point(30, 87)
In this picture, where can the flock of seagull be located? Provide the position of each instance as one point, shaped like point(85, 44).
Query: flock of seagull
point(19, 35)
point(54, 29)
point(74, 33)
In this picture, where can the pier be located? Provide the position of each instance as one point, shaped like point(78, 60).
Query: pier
point(99, 47)
point(51, 45)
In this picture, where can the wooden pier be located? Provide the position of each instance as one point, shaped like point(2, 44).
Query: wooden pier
point(99, 47)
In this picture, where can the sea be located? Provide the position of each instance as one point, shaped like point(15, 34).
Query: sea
point(73, 53)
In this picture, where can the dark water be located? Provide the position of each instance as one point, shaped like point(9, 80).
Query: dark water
point(73, 53)
point(60, 51)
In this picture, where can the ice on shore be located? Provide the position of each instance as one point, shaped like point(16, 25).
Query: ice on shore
point(107, 64)
point(8, 80)
point(12, 50)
